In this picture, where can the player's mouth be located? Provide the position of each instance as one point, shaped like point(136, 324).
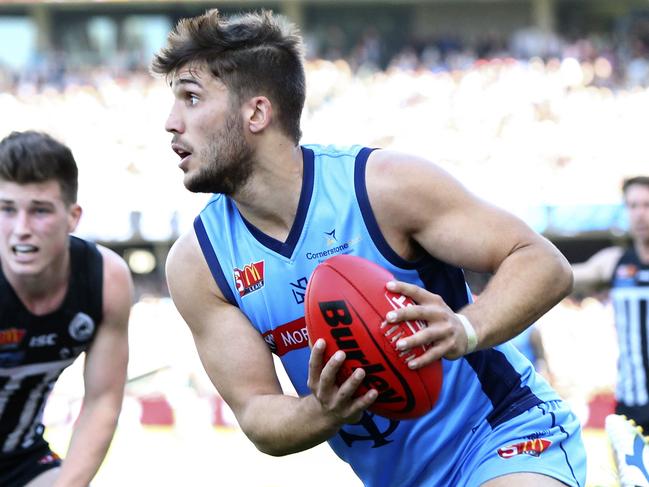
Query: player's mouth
point(24, 249)
point(24, 252)
point(183, 153)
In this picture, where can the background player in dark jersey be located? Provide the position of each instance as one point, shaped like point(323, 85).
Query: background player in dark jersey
point(625, 270)
point(239, 91)
point(59, 296)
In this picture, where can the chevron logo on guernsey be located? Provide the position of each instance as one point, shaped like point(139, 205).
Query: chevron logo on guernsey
point(250, 278)
point(530, 447)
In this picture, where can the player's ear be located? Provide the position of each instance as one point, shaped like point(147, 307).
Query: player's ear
point(74, 215)
point(258, 114)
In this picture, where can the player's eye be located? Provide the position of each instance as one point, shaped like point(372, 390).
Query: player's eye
point(192, 99)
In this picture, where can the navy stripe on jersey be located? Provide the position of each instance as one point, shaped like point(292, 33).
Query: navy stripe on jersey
point(445, 280)
point(213, 261)
point(368, 215)
point(286, 248)
point(502, 385)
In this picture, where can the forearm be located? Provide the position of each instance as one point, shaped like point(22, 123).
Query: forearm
point(91, 437)
point(596, 273)
point(587, 278)
point(528, 283)
point(280, 424)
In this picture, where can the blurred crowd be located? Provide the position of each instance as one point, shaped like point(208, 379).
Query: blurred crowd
point(522, 131)
point(580, 344)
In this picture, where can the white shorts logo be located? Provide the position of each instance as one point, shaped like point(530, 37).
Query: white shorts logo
point(81, 327)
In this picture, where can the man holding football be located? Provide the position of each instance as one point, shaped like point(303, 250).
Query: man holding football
point(279, 209)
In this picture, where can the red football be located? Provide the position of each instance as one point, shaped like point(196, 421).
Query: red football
point(346, 302)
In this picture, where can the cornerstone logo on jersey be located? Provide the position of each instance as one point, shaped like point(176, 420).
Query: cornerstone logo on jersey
point(81, 327)
point(250, 278)
point(334, 246)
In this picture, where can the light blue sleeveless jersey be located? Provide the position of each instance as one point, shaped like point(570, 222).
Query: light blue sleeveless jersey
point(267, 279)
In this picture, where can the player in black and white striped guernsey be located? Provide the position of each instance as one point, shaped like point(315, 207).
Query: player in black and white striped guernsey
point(626, 271)
point(60, 296)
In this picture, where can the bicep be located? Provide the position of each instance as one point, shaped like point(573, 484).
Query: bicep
point(233, 353)
point(235, 357)
point(474, 234)
point(414, 198)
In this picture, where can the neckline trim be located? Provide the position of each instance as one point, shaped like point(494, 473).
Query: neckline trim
point(287, 248)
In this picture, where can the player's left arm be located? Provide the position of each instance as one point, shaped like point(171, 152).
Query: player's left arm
point(419, 206)
point(104, 378)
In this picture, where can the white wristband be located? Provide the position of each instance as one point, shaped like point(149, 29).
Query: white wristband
point(471, 336)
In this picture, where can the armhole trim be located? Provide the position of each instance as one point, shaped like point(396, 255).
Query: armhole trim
point(213, 261)
point(368, 215)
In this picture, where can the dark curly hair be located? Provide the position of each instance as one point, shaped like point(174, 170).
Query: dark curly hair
point(252, 54)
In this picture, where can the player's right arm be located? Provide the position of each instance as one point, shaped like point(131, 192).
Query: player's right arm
point(240, 365)
point(597, 270)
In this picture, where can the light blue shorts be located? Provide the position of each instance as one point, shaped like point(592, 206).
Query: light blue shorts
point(545, 439)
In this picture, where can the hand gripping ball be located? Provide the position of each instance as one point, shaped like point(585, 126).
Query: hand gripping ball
point(346, 302)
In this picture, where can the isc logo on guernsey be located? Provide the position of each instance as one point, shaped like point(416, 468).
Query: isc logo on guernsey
point(250, 278)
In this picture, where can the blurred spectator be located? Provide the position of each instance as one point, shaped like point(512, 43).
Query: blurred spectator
point(637, 70)
point(626, 271)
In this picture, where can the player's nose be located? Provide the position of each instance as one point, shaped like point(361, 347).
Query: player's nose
point(22, 224)
point(174, 123)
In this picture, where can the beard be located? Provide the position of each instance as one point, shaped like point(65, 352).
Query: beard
point(229, 161)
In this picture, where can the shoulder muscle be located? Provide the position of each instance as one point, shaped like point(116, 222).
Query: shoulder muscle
point(417, 202)
point(118, 286)
point(190, 281)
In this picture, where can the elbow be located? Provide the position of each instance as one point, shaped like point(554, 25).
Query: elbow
point(267, 445)
point(261, 434)
point(272, 451)
point(564, 277)
point(282, 426)
point(277, 442)
point(570, 282)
